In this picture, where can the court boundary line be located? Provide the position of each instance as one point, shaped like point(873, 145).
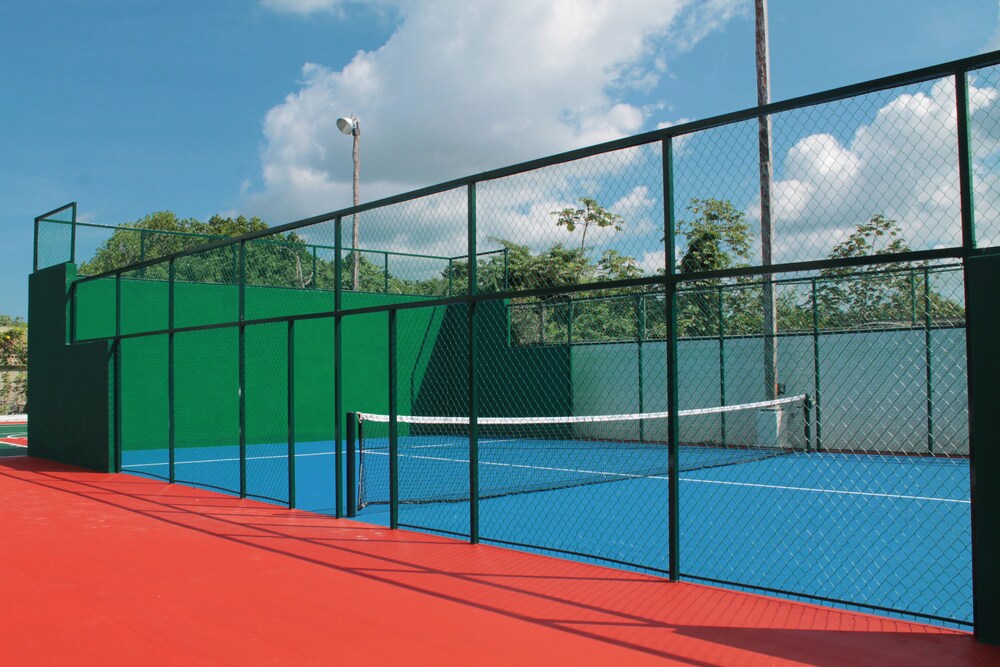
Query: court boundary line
point(624, 476)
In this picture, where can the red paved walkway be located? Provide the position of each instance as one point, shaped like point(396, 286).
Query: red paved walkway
point(99, 569)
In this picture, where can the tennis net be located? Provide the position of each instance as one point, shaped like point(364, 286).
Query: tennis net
point(529, 454)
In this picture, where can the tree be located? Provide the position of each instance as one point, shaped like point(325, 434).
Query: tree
point(592, 213)
point(717, 237)
point(278, 260)
point(893, 292)
point(850, 296)
point(163, 233)
point(13, 364)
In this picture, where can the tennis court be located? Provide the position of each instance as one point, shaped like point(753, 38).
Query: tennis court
point(799, 512)
point(13, 435)
point(663, 396)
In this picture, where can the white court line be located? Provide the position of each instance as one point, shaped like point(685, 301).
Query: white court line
point(229, 460)
point(774, 487)
point(830, 491)
point(458, 445)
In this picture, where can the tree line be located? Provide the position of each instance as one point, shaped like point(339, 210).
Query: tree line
point(713, 235)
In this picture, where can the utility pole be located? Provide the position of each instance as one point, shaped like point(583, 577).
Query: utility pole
point(766, 178)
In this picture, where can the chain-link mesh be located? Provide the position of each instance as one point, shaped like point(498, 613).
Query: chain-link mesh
point(579, 303)
point(54, 241)
point(267, 441)
point(432, 354)
point(94, 309)
point(145, 299)
point(428, 242)
point(313, 386)
point(207, 408)
point(145, 406)
point(874, 487)
point(595, 219)
point(207, 287)
point(984, 144)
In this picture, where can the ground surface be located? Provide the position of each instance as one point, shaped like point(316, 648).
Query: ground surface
point(114, 569)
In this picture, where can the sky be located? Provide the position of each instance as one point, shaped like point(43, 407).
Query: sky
point(229, 106)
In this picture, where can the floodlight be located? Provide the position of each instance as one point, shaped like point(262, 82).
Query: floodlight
point(346, 125)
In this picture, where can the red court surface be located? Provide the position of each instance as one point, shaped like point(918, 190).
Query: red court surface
point(103, 569)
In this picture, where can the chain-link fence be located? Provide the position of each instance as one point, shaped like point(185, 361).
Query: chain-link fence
point(662, 356)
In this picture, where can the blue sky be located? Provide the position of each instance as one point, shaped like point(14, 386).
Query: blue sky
point(134, 106)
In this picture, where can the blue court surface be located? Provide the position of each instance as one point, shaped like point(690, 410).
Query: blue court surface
point(884, 533)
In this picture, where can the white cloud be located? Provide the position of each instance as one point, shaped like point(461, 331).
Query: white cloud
point(464, 87)
point(303, 7)
point(903, 164)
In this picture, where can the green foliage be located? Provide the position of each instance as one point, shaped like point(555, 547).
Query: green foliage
point(163, 233)
point(13, 365)
point(14, 345)
point(850, 297)
point(718, 237)
point(592, 213)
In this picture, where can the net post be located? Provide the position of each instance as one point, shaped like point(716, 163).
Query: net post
point(393, 426)
point(243, 369)
point(338, 363)
point(171, 393)
point(673, 432)
point(473, 361)
point(290, 381)
point(806, 405)
point(352, 486)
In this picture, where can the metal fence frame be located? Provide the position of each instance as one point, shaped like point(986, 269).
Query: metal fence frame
point(670, 282)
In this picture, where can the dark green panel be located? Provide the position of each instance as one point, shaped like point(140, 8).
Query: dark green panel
point(314, 380)
point(537, 376)
point(69, 395)
point(144, 393)
point(95, 309)
point(983, 302)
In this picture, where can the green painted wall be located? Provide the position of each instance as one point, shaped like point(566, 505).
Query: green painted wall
point(206, 363)
point(431, 350)
point(69, 389)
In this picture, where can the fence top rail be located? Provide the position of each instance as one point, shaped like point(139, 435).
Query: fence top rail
point(952, 68)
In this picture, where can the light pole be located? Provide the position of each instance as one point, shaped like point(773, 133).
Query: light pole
point(352, 126)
